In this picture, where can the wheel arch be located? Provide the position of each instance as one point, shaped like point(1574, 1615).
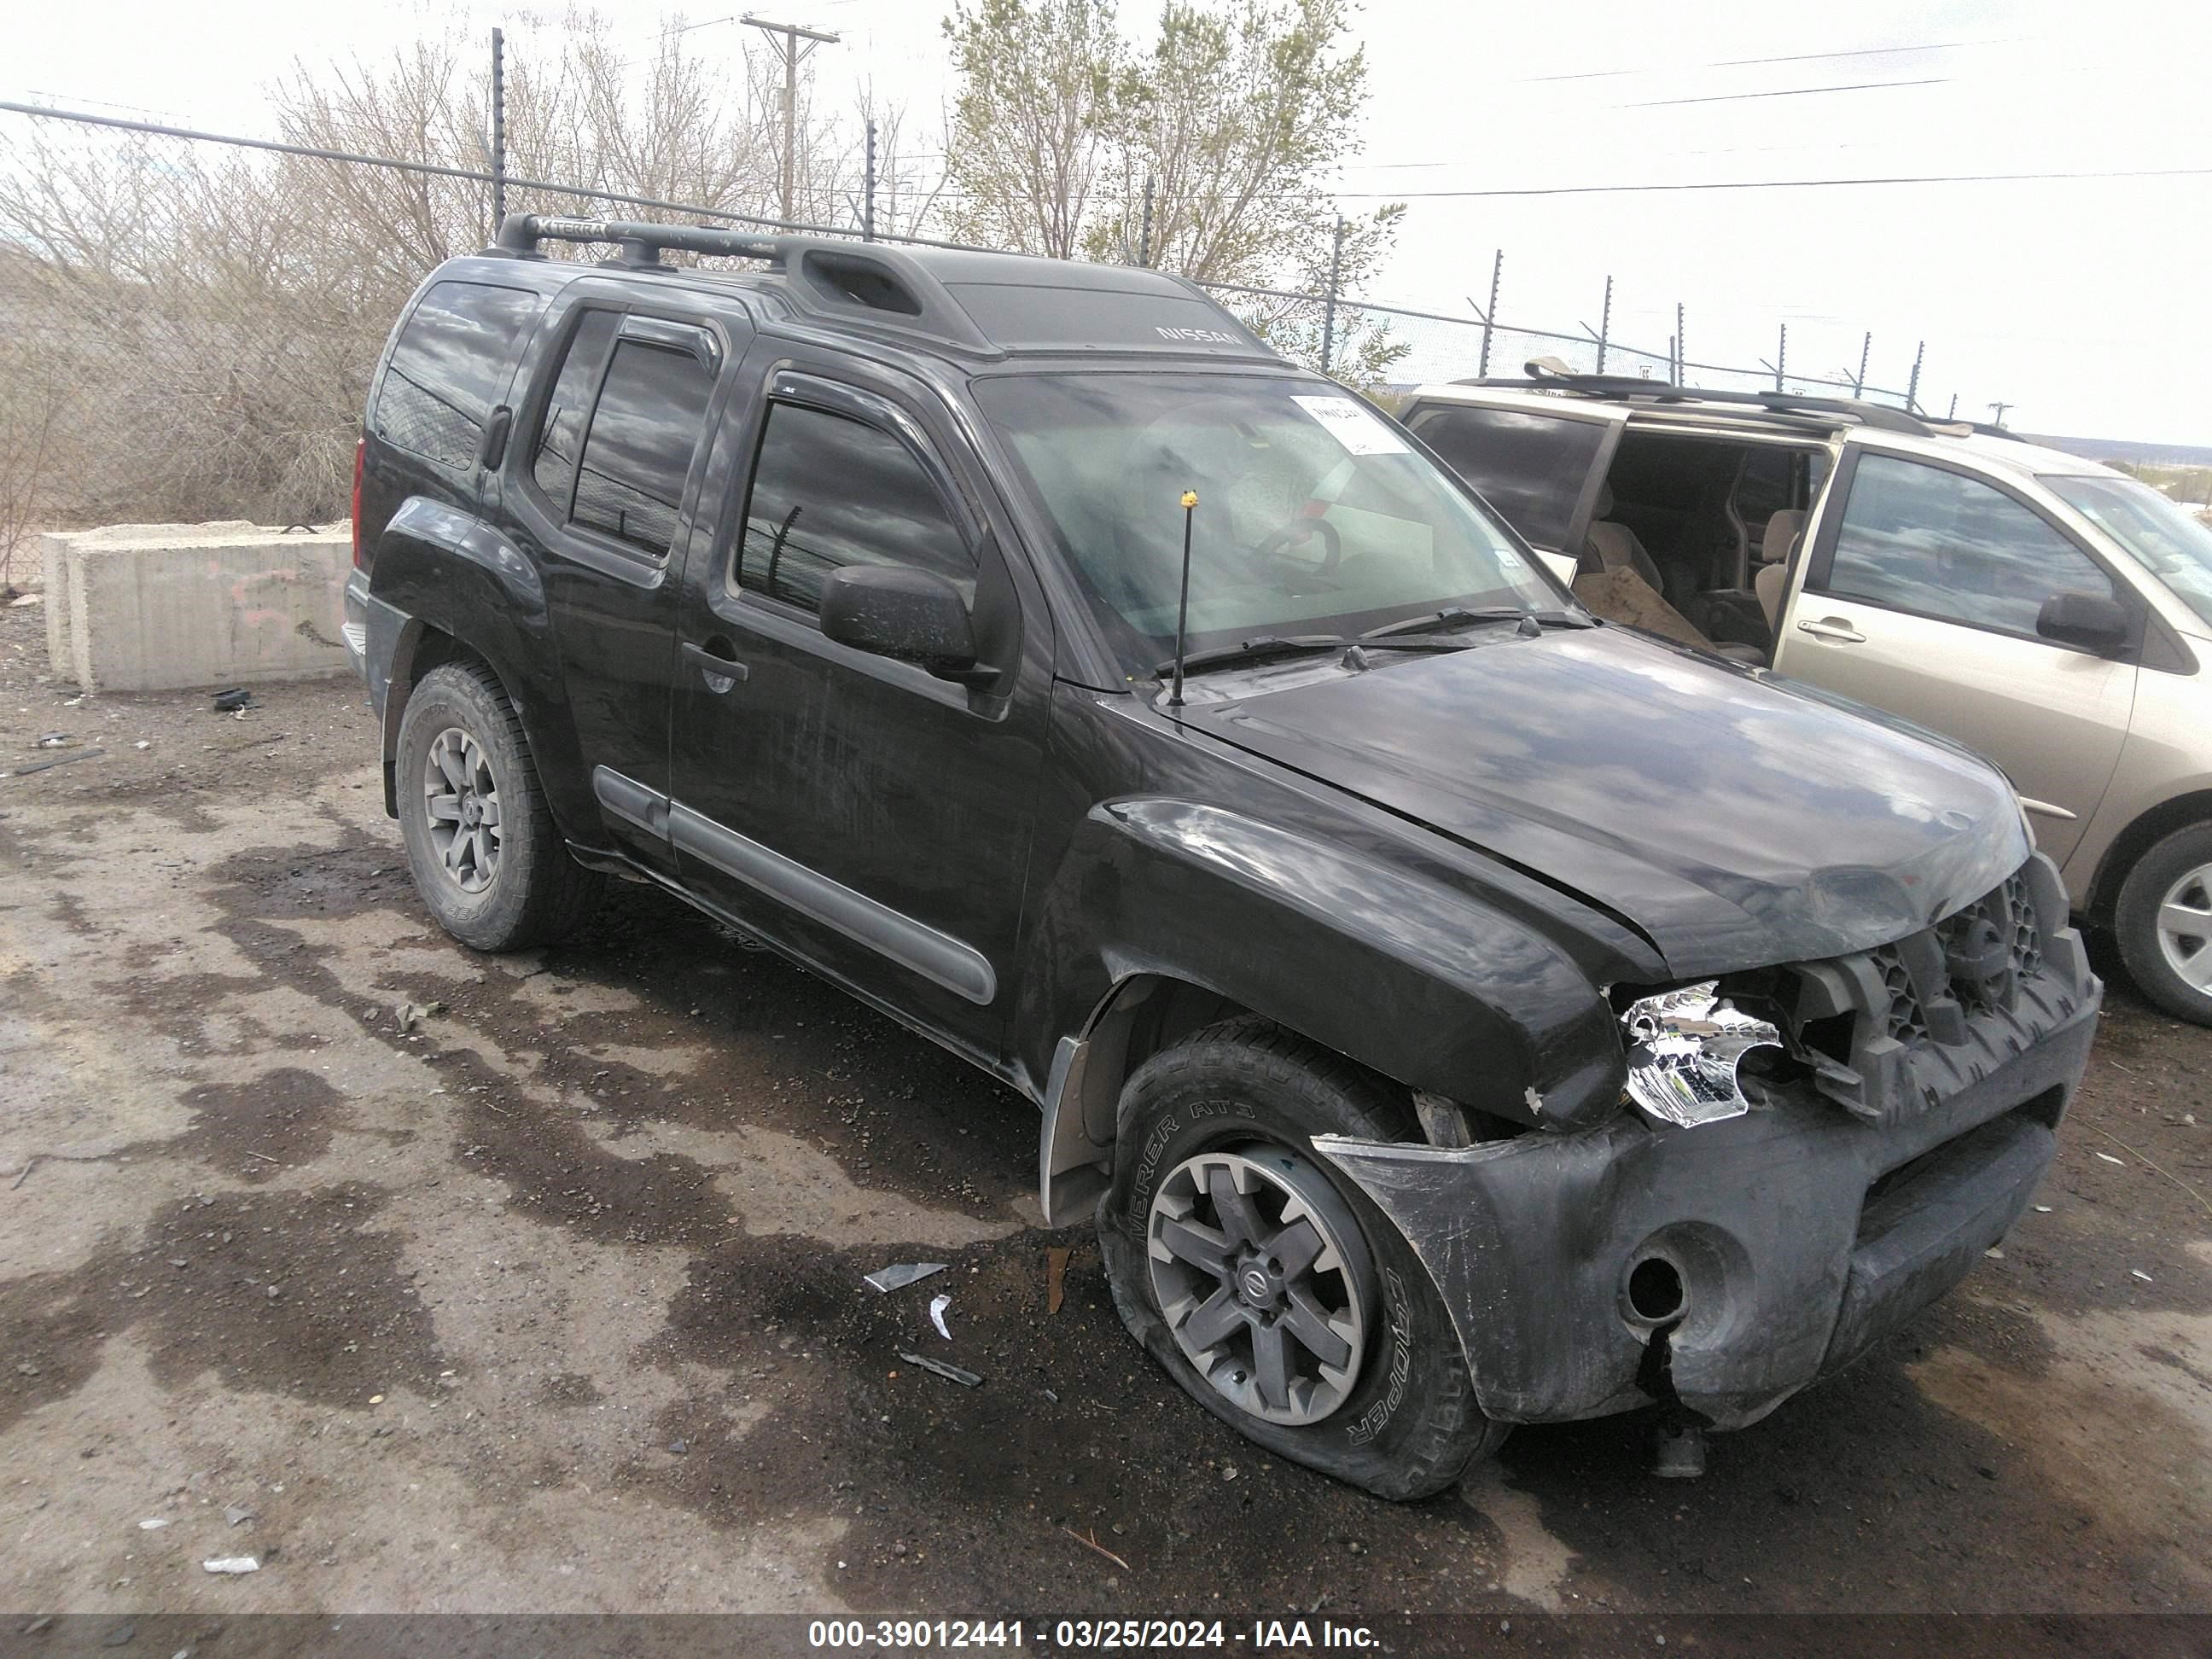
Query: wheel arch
point(2149, 827)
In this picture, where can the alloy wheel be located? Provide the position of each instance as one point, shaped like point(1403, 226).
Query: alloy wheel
point(460, 798)
point(1264, 1279)
point(2184, 927)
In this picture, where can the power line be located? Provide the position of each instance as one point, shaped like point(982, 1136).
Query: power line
point(1762, 184)
point(1784, 92)
point(1742, 63)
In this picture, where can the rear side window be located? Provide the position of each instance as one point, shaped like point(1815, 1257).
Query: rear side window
point(450, 366)
point(637, 452)
point(1530, 467)
point(829, 492)
point(561, 434)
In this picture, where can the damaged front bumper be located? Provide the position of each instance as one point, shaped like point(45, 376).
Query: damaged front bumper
point(1723, 1266)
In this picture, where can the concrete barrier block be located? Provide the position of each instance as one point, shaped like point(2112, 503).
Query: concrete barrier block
point(162, 607)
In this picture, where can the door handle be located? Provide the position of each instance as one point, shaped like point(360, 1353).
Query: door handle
point(717, 660)
point(1836, 628)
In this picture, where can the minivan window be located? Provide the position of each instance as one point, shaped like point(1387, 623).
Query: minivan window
point(651, 414)
point(1530, 467)
point(829, 492)
point(1314, 513)
point(2167, 538)
point(449, 367)
point(1939, 544)
point(560, 433)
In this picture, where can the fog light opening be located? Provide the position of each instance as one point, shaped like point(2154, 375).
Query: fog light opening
point(1655, 1289)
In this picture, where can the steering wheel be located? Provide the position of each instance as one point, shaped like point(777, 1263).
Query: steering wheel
point(1298, 530)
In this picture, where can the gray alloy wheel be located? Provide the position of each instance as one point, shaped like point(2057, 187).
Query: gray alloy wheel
point(460, 801)
point(1264, 1279)
point(2184, 927)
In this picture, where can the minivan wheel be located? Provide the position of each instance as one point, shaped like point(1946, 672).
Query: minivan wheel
point(1264, 1282)
point(483, 848)
point(2164, 924)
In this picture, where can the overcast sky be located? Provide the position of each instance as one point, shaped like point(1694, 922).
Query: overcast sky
point(2081, 302)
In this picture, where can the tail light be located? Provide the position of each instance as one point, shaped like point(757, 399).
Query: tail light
point(360, 453)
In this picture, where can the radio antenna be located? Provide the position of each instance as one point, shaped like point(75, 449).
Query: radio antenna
point(1182, 605)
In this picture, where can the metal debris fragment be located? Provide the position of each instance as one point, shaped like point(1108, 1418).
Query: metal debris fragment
point(903, 1274)
point(966, 1379)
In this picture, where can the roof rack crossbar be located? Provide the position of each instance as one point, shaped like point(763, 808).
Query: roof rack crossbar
point(1879, 416)
point(520, 233)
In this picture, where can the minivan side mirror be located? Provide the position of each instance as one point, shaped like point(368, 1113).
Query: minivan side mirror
point(896, 610)
point(2093, 621)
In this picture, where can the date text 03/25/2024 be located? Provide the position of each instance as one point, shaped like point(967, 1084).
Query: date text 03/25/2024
point(917, 1635)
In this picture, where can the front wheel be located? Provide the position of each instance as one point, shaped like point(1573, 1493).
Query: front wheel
point(1267, 1285)
point(2164, 924)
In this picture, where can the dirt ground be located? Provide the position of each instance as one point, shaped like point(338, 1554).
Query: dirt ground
point(550, 1298)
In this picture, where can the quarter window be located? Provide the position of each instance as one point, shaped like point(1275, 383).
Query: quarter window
point(1924, 539)
point(450, 366)
point(829, 492)
point(651, 413)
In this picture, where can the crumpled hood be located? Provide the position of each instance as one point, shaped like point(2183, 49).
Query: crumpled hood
point(1735, 819)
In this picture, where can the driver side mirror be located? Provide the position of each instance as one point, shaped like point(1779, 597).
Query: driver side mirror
point(896, 610)
point(2093, 621)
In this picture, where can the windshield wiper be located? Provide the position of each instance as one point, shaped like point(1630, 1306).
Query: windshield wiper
point(1460, 616)
point(1253, 650)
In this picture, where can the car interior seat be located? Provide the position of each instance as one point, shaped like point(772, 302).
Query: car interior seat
point(1615, 546)
point(1783, 530)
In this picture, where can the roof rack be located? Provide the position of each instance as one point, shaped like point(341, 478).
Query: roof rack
point(1881, 416)
point(828, 276)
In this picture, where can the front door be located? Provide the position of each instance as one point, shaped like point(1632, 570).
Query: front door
point(1920, 596)
point(861, 810)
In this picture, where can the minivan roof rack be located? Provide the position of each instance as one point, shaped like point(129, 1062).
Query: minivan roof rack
point(827, 275)
point(1881, 416)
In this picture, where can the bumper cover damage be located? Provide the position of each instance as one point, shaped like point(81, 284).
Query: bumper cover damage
point(1723, 1265)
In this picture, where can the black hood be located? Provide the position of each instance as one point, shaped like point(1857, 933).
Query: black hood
point(1736, 820)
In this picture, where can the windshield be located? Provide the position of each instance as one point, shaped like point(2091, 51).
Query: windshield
point(1313, 515)
point(2167, 538)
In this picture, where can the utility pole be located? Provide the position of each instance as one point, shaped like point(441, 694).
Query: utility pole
point(1781, 355)
point(1145, 237)
point(868, 189)
point(1998, 411)
point(1490, 317)
point(1913, 385)
point(1866, 346)
point(787, 38)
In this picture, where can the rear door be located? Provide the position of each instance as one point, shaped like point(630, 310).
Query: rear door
point(1920, 595)
point(1539, 462)
point(604, 481)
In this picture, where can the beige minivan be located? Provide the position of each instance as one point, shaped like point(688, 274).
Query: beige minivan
point(2053, 614)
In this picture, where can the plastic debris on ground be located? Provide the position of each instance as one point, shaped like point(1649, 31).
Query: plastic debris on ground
point(53, 739)
point(238, 1515)
point(901, 1274)
point(966, 1379)
point(2109, 1159)
point(232, 1563)
point(230, 701)
point(411, 1014)
point(2141, 1275)
point(937, 1307)
point(155, 1524)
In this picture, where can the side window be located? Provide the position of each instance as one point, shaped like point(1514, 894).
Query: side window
point(829, 492)
point(1530, 467)
point(449, 367)
point(651, 414)
point(561, 434)
point(1919, 538)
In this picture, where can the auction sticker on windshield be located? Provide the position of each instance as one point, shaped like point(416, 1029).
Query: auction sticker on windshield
point(1353, 427)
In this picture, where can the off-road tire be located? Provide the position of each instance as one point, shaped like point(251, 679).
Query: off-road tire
point(1410, 1425)
point(537, 893)
point(2136, 921)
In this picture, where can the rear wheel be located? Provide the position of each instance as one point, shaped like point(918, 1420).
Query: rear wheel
point(2164, 923)
point(482, 846)
point(1267, 1284)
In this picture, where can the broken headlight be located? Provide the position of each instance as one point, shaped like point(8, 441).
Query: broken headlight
point(1684, 1049)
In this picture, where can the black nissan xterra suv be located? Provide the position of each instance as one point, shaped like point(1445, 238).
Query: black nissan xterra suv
point(1463, 1012)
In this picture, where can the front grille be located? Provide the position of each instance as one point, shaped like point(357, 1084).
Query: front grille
point(1910, 1022)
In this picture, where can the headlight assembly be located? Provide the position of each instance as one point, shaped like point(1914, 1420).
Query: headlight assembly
point(1684, 1049)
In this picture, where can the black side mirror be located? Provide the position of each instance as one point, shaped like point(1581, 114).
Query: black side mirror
point(896, 610)
point(2093, 621)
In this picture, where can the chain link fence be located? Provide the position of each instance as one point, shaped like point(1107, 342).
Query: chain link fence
point(189, 319)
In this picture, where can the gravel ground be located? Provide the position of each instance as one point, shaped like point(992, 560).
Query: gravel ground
point(549, 1298)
